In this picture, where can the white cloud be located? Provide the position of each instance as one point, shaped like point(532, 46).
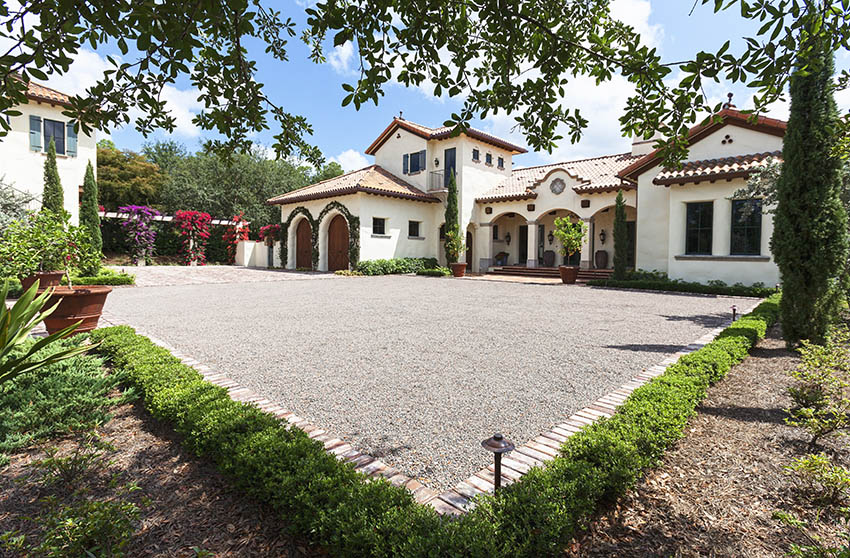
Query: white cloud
point(350, 160)
point(636, 13)
point(340, 58)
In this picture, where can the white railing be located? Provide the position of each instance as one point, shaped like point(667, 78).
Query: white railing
point(436, 181)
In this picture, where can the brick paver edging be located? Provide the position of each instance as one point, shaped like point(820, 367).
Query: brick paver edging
point(534, 453)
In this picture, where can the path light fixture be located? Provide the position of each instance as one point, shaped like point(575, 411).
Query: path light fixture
point(734, 312)
point(602, 236)
point(551, 237)
point(508, 239)
point(498, 444)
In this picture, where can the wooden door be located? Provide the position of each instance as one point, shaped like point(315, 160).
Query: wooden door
point(338, 244)
point(523, 245)
point(303, 246)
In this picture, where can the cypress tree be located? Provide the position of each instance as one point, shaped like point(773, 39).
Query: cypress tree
point(620, 239)
point(52, 198)
point(451, 226)
point(810, 224)
point(89, 218)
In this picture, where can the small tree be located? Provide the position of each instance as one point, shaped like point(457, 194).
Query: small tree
point(571, 235)
point(52, 199)
point(452, 227)
point(13, 204)
point(810, 235)
point(140, 235)
point(620, 240)
point(89, 217)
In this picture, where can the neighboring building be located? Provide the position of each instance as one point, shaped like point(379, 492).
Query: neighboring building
point(23, 150)
point(678, 221)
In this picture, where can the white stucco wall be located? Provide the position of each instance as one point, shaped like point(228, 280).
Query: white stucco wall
point(252, 253)
point(390, 156)
point(24, 169)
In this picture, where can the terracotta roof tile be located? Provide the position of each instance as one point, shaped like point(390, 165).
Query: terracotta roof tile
point(371, 180)
point(443, 132)
point(597, 174)
point(713, 169)
point(38, 92)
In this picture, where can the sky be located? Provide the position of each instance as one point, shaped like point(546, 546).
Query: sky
point(343, 133)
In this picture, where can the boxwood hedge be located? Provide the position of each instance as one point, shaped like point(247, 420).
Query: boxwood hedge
point(396, 265)
point(322, 498)
point(684, 287)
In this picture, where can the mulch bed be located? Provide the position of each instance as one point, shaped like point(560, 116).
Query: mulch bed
point(715, 492)
point(184, 501)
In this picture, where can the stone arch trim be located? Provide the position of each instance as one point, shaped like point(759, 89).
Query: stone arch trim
point(314, 237)
point(353, 233)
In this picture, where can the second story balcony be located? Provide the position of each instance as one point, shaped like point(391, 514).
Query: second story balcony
point(436, 180)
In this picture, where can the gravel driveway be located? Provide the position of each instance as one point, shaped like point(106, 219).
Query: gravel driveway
point(419, 370)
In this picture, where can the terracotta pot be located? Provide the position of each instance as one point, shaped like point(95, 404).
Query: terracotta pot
point(458, 269)
point(78, 304)
point(569, 273)
point(45, 279)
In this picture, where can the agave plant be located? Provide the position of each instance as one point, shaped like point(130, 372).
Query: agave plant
point(17, 322)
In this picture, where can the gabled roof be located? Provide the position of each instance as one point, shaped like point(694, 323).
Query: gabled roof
point(41, 93)
point(443, 132)
point(597, 174)
point(716, 169)
point(728, 116)
point(370, 180)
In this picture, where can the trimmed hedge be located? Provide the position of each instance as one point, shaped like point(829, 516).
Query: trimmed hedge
point(396, 265)
point(325, 499)
point(436, 272)
point(106, 277)
point(684, 287)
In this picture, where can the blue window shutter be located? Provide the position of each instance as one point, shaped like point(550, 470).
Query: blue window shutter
point(70, 140)
point(404, 163)
point(35, 133)
point(422, 163)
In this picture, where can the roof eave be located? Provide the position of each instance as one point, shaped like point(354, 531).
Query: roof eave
point(696, 179)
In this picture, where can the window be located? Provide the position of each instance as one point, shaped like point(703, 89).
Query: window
point(413, 162)
point(443, 231)
point(746, 228)
point(495, 232)
point(698, 228)
point(476, 155)
point(413, 229)
point(55, 130)
point(488, 159)
point(501, 162)
point(379, 225)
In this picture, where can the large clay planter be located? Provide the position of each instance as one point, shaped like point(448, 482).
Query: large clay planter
point(458, 269)
point(78, 304)
point(569, 273)
point(45, 279)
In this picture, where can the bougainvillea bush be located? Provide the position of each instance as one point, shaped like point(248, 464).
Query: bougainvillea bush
point(270, 231)
point(233, 234)
point(194, 227)
point(137, 228)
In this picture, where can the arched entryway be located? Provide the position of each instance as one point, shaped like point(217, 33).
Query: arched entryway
point(469, 250)
point(338, 244)
point(303, 245)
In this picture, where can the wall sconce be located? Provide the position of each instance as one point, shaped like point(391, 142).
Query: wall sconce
point(602, 236)
point(436, 162)
point(551, 237)
point(508, 239)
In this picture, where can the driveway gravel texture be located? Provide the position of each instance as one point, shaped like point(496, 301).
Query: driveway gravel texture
point(418, 370)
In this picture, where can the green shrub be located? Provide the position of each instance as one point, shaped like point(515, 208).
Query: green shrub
point(322, 497)
point(657, 284)
point(396, 265)
point(825, 482)
point(348, 273)
point(436, 272)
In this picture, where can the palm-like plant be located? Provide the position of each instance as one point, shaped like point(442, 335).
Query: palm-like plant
point(15, 325)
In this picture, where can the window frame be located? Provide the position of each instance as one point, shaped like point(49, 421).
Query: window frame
point(410, 224)
point(46, 138)
point(699, 229)
point(476, 155)
point(501, 162)
point(383, 222)
point(495, 232)
point(748, 229)
point(488, 159)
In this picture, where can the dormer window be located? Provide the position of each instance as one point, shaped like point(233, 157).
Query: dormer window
point(488, 159)
point(502, 163)
point(413, 162)
point(476, 155)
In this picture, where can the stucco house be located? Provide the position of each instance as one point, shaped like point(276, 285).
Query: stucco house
point(23, 150)
point(679, 221)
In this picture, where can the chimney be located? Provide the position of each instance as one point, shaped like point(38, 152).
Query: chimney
point(641, 146)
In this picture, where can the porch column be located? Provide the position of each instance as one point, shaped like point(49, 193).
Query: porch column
point(485, 246)
point(532, 244)
point(586, 256)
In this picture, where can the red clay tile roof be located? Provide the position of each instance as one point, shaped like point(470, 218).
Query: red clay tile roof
point(38, 92)
point(714, 169)
point(442, 132)
point(597, 174)
point(371, 180)
point(728, 116)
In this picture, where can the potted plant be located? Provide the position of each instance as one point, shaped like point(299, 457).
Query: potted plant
point(454, 247)
point(571, 235)
point(32, 249)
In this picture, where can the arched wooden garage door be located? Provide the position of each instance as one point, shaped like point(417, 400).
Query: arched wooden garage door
point(338, 244)
point(303, 245)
